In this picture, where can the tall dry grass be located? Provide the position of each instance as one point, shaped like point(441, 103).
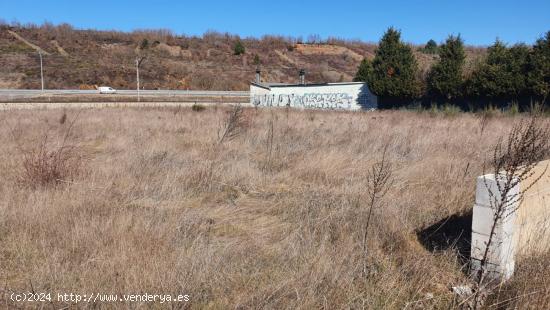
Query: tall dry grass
point(273, 218)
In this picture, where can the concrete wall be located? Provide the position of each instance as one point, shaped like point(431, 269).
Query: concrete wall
point(345, 96)
point(525, 228)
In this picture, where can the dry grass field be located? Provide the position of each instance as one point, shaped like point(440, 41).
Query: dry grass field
point(152, 201)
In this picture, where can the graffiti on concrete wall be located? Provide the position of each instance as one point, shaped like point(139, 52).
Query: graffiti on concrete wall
point(310, 100)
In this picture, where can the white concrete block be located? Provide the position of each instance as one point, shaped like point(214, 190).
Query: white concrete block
point(478, 245)
point(479, 242)
point(482, 219)
point(487, 192)
point(494, 271)
point(501, 255)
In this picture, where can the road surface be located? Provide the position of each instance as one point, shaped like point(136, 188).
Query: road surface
point(18, 93)
point(13, 99)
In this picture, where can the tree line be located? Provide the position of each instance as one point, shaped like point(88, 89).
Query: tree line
point(508, 75)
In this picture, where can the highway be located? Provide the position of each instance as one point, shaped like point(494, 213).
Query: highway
point(15, 99)
point(21, 93)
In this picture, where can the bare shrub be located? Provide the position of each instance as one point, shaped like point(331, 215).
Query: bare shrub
point(49, 163)
point(203, 81)
point(483, 121)
point(269, 144)
point(379, 182)
point(233, 126)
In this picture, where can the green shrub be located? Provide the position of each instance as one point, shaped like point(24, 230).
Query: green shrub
point(198, 107)
point(513, 109)
point(447, 109)
point(238, 48)
point(430, 47)
point(144, 44)
point(450, 110)
point(491, 110)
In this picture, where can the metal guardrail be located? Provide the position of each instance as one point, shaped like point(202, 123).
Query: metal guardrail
point(196, 93)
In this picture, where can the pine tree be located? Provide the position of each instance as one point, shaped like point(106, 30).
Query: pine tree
point(394, 70)
point(518, 68)
point(445, 78)
point(502, 77)
point(538, 79)
point(364, 71)
point(430, 47)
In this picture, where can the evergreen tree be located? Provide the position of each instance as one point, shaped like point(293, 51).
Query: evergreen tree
point(430, 47)
point(538, 78)
point(502, 76)
point(518, 68)
point(144, 44)
point(394, 70)
point(364, 71)
point(238, 48)
point(445, 78)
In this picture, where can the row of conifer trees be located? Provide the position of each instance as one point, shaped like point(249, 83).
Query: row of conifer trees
point(506, 75)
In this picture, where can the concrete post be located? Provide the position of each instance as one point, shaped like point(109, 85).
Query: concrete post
point(502, 250)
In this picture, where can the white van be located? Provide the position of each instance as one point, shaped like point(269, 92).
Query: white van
point(106, 90)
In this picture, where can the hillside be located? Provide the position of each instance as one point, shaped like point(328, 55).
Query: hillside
point(84, 58)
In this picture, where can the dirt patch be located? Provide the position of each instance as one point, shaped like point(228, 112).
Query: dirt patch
point(11, 80)
point(59, 49)
point(35, 47)
point(111, 45)
point(327, 49)
point(287, 59)
point(174, 51)
point(186, 53)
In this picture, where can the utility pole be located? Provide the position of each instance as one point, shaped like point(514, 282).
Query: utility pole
point(137, 74)
point(139, 60)
point(41, 71)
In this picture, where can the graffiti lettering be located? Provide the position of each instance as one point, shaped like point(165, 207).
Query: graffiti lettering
point(311, 100)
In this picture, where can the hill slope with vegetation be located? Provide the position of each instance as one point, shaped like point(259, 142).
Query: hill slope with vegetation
point(215, 61)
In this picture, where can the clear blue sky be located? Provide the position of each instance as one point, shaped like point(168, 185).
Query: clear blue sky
point(479, 22)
